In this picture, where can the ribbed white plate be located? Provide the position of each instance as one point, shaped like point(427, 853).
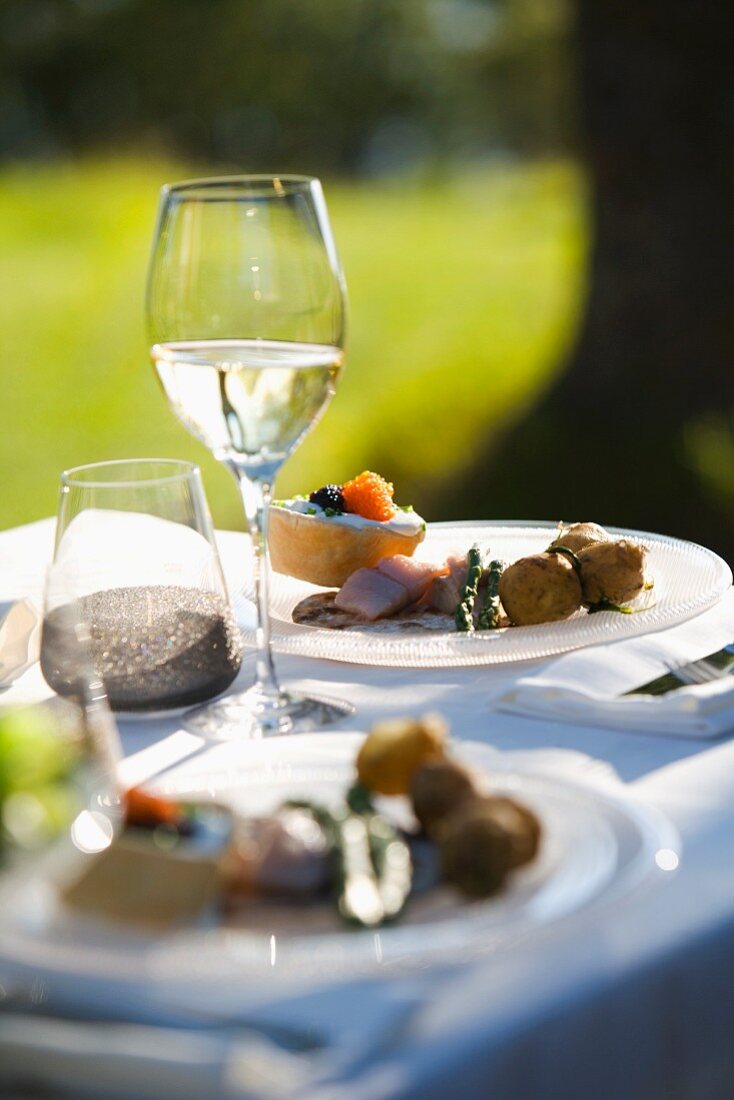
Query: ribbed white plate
point(596, 847)
point(688, 579)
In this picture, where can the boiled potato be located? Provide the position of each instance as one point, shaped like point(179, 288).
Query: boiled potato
point(578, 535)
point(394, 749)
point(612, 571)
point(475, 850)
point(541, 588)
point(521, 824)
point(438, 788)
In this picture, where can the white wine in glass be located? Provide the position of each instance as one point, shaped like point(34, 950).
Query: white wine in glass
point(246, 312)
point(248, 400)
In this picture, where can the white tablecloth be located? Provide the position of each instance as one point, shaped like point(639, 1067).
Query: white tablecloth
point(635, 1001)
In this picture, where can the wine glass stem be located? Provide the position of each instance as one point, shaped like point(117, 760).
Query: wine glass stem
point(256, 496)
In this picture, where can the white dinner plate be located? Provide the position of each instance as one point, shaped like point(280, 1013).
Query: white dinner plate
point(688, 579)
point(595, 848)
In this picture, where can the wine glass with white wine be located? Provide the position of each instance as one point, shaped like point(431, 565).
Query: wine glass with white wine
point(246, 314)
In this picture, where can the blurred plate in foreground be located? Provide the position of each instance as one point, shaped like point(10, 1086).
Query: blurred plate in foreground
point(596, 848)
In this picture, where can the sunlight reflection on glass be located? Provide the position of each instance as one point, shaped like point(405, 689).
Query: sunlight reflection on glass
point(92, 832)
point(666, 859)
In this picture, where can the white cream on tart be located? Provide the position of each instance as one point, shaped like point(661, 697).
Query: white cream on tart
point(338, 529)
point(405, 521)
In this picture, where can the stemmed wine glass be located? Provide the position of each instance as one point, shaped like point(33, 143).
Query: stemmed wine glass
point(246, 314)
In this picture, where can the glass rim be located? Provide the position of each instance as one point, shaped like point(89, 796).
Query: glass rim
point(183, 471)
point(250, 186)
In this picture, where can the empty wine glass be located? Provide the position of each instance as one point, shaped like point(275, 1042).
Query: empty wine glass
point(246, 304)
point(136, 567)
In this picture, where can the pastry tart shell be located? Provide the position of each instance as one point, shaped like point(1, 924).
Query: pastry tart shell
point(326, 553)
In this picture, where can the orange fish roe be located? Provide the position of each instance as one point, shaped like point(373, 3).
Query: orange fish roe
point(369, 495)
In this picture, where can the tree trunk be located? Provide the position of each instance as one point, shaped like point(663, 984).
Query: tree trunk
point(614, 440)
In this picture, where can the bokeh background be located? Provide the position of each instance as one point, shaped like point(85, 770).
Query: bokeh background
point(533, 204)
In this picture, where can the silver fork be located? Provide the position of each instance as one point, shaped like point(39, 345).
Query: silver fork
point(701, 671)
point(20, 1003)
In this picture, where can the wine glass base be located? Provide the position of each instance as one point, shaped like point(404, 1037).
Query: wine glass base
point(252, 715)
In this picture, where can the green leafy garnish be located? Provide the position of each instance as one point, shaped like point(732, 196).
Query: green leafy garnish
point(607, 605)
point(359, 799)
point(567, 554)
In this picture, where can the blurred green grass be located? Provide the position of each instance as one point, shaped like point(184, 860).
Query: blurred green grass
point(464, 297)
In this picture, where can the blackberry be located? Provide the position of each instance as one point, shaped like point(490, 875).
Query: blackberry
point(328, 496)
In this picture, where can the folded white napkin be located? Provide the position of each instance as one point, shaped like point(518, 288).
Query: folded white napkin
point(20, 637)
point(587, 687)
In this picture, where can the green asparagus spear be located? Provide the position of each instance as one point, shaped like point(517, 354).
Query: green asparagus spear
point(463, 615)
point(391, 860)
point(489, 616)
point(359, 899)
point(373, 871)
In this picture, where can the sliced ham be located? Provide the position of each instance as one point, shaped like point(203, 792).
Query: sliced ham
point(443, 595)
point(415, 576)
point(399, 582)
point(285, 854)
point(372, 594)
